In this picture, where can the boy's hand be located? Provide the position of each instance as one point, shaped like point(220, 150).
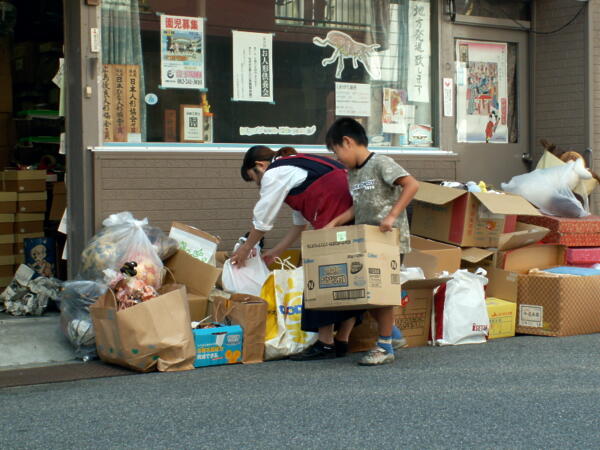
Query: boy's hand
point(387, 224)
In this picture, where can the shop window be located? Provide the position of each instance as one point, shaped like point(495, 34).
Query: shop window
point(506, 9)
point(320, 59)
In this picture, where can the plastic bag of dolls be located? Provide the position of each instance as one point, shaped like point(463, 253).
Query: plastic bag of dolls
point(122, 240)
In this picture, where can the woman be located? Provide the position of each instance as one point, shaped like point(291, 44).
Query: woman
point(316, 188)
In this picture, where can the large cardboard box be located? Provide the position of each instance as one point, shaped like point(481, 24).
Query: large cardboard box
point(7, 244)
point(558, 305)
point(220, 345)
point(198, 277)
point(578, 232)
point(31, 202)
point(352, 267)
point(503, 315)
point(7, 266)
point(7, 223)
point(447, 257)
point(23, 180)
point(8, 202)
point(464, 218)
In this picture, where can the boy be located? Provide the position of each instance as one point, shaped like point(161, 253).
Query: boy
point(381, 190)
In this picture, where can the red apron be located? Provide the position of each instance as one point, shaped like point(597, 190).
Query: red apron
point(325, 199)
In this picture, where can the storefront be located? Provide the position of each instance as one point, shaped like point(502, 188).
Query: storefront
point(163, 97)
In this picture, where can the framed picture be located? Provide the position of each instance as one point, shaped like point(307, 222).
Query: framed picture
point(191, 123)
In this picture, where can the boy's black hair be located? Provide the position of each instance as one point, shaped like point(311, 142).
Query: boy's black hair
point(346, 127)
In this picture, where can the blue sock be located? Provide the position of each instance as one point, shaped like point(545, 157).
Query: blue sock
point(385, 342)
point(396, 333)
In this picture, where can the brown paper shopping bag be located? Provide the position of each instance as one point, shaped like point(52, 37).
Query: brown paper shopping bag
point(153, 335)
point(250, 313)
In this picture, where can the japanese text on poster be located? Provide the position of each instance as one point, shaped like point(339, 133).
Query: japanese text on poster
point(121, 103)
point(352, 99)
point(252, 67)
point(182, 52)
point(419, 51)
point(481, 101)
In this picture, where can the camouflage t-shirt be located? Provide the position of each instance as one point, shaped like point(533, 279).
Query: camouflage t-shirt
point(374, 194)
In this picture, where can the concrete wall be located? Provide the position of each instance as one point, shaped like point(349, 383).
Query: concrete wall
point(203, 189)
point(559, 76)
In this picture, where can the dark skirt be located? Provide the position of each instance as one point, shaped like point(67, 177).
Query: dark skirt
point(313, 319)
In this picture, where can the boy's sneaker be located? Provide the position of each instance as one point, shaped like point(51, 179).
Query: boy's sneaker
point(377, 357)
point(318, 350)
point(397, 344)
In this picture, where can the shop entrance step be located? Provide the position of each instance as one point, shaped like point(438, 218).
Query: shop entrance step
point(26, 341)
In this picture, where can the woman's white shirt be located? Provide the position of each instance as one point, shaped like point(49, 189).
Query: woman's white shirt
point(275, 185)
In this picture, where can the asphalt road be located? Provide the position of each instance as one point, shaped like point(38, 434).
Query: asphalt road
point(525, 392)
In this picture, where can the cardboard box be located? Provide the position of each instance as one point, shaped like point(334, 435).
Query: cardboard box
point(199, 244)
point(352, 267)
point(464, 218)
point(558, 305)
point(578, 232)
point(216, 346)
point(537, 256)
point(26, 223)
point(59, 201)
point(7, 222)
point(8, 202)
point(7, 266)
point(23, 180)
point(447, 257)
point(503, 316)
point(7, 244)
point(198, 277)
point(583, 256)
point(30, 202)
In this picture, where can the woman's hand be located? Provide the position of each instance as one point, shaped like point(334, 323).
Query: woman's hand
point(331, 224)
point(270, 255)
point(241, 255)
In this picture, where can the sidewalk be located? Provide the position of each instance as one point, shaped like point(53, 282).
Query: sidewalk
point(32, 341)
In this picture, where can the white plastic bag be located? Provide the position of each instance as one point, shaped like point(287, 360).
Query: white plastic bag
point(283, 291)
point(122, 239)
point(551, 189)
point(466, 319)
point(247, 279)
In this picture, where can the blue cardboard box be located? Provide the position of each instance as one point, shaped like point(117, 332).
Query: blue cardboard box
point(215, 346)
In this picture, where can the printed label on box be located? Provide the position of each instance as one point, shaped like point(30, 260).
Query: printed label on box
point(374, 277)
point(531, 316)
point(341, 236)
point(333, 276)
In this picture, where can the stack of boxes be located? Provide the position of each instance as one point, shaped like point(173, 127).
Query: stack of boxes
point(22, 216)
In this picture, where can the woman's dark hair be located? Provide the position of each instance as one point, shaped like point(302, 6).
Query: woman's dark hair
point(346, 127)
point(262, 153)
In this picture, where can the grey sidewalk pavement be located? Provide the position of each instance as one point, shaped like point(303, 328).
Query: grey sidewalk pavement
point(525, 392)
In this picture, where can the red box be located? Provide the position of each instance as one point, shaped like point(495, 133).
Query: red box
point(581, 232)
point(583, 255)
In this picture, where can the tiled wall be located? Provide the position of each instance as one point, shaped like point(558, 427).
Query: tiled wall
point(203, 189)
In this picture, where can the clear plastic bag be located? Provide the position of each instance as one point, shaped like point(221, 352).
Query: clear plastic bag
point(164, 245)
point(122, 240)
point(551, 189)
point(75, 320)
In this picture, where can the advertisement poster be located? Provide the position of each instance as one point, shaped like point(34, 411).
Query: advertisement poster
point(482, 100)
point(394, 116)
point(252, 67)
point(182, 52)
point(352, 99)
point(192, 126)
point(419, 50)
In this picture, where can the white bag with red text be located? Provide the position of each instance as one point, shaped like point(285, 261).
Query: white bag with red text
point(465, 316)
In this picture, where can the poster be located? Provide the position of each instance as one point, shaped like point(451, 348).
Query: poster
point(482, 99)
point(252, 67)
point(393, 115)
point(192, 123)
point(448, 96)
point(121, 103)
point(419, 51)
point(352, 99)
point(182, 52)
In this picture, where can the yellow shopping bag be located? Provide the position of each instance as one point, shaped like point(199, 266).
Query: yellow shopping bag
point(283, 291)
